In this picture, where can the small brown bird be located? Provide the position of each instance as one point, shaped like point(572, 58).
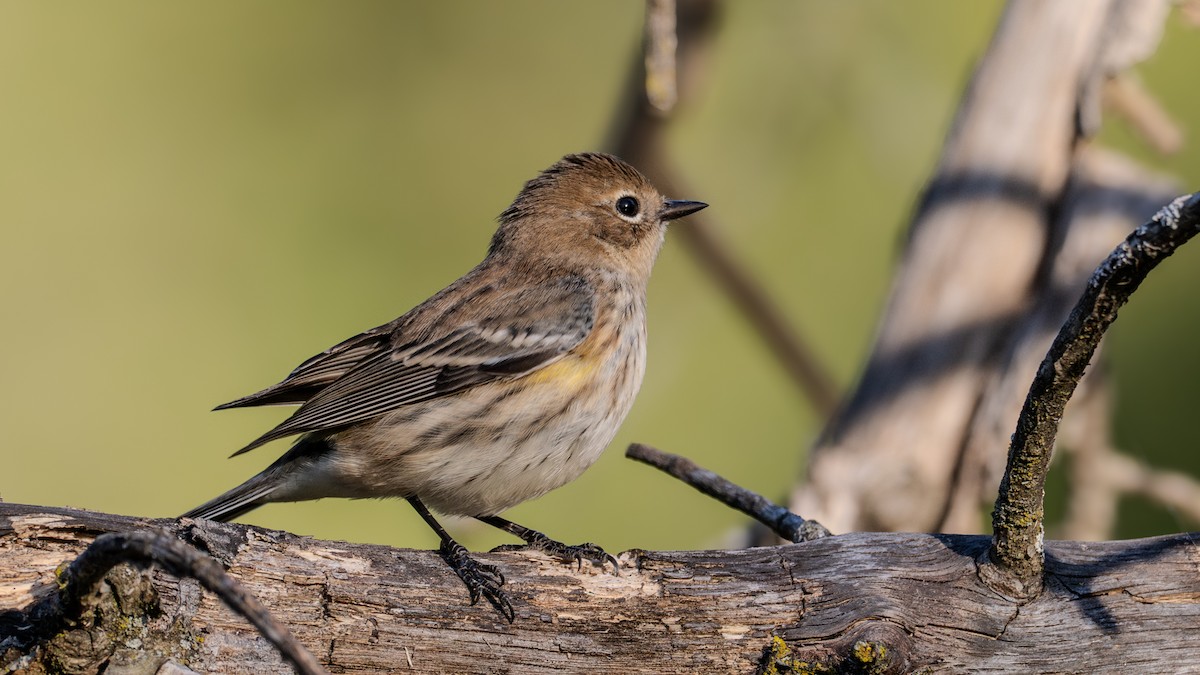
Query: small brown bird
point(507, 384)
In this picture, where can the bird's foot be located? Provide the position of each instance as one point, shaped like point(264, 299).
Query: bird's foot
point(568, 553)
point(481, 579)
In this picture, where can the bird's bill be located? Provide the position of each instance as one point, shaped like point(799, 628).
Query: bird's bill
point(678, 208)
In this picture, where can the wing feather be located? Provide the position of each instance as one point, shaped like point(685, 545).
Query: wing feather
point(430, 353)
point(314, 374)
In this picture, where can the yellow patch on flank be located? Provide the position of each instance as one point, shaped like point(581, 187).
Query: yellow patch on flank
point(569, 371)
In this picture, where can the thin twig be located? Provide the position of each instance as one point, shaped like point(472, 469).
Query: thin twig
point(1120, 474)
point(782, 521)
point(1129, 98)
point(1174, 490)
point(142, 548)
point(1016, 555)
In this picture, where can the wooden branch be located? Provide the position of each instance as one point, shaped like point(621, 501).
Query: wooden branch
point(659, 63)
point(1085, 436)
point(1018, 517)
point(868, 602)
point(1100, 474)
point(1190, 9)
point(1131, 33)
point(785, 524)
point(1128, 97)
point(1172, 489)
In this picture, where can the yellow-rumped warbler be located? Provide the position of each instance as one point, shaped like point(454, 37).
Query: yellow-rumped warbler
point(508, 383)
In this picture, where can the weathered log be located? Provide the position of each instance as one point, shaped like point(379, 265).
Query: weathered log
point(866, 602)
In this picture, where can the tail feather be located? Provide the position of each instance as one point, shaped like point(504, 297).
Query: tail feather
point(238, 501)
point(275, 483)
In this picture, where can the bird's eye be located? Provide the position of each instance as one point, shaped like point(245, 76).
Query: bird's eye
point(628, 206)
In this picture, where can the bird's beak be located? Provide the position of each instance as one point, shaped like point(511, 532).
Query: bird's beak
point(678, 208)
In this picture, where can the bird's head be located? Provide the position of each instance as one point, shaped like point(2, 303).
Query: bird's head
point(589, 208)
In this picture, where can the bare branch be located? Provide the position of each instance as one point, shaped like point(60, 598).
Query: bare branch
point(1131, 33)
point(1190, 10)
point(661, 91)
point(1128, 97)
point(1102, 474)
point(1016, 553)
point(1106, 197)
point(782, 521)
point(1170, 488)
point(1085, 436)
point(890, 458)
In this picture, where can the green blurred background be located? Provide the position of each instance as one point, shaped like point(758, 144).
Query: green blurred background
point(195, 198)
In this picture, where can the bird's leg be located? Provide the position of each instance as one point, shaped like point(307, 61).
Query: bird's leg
point(480, 578)
point(536, 540)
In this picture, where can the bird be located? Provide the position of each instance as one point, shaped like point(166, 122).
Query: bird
point(507, 384)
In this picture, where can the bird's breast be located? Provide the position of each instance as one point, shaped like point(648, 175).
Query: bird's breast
point(611, 358)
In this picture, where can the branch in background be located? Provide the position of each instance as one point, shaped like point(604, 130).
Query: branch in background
point(80, 578)
point(1084, 437)
point(637, 137)
point(1174, 490)
point(660, 45)
point(1107, 196)
point(1100, 475)
point(782, 521)
point(1016, 554)
point(1127, 96)
point(892, 455)
point(1191, 11)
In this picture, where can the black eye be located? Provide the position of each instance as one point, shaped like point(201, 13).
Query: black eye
point(628, 206)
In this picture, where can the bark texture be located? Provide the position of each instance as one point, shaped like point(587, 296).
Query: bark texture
point(867, 602)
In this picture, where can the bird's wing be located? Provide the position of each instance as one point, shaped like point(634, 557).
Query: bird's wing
point(319, 371)
point(434, 352)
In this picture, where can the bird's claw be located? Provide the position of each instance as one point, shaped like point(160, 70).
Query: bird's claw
point(590, 552)
point(568, 553)
point(481, 579)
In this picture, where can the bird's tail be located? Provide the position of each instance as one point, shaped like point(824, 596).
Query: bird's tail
point(238, 501)
point(270, 485)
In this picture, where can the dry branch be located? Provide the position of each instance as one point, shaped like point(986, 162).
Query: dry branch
point(900, 601)
point(1109, 474)
point(785, 524)
point(1018, 517)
